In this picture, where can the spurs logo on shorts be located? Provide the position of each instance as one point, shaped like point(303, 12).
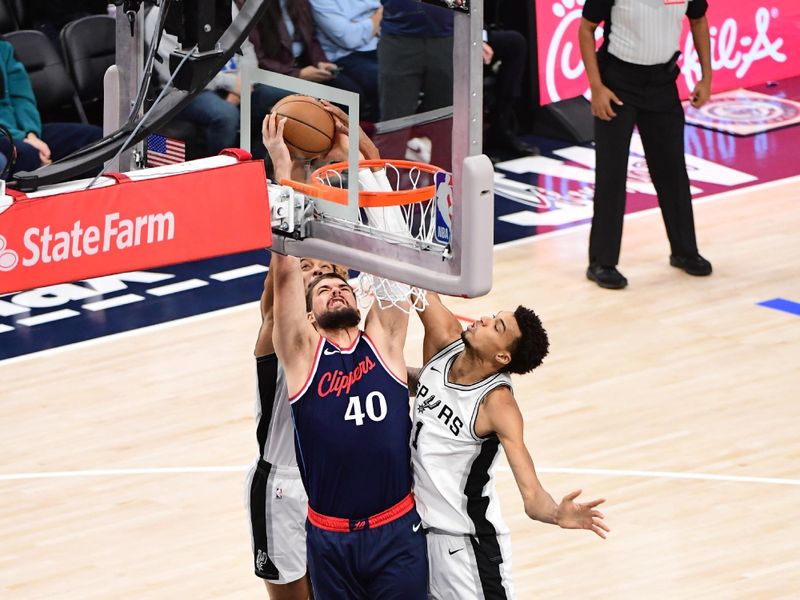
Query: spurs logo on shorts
point(261, 560)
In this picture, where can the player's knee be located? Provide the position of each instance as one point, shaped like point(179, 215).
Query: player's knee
point(294, 590)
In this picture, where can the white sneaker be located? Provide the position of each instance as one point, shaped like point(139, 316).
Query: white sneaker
point(419, 149)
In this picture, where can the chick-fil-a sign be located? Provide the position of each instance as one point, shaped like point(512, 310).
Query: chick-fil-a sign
point(752, 41)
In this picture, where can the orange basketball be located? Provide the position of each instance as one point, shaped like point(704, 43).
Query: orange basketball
point(309, 128)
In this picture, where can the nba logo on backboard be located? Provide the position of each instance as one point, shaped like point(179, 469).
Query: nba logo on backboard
point(444, 206)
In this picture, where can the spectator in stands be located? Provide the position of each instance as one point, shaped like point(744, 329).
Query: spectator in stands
point(504, 52)
point(49, 17)
point(503, 23)
point(348, 33)
point(37, 144)
point(215, 110)
point(415, 56)
point(286, 42)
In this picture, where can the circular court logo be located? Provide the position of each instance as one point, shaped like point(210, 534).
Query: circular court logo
point(748, 111)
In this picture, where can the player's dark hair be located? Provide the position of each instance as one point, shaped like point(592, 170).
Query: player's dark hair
point(527, 351)
point(313, 283)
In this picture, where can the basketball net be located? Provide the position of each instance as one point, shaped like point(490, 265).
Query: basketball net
point(391, 219)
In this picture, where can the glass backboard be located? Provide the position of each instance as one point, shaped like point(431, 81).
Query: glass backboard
point(454, 262)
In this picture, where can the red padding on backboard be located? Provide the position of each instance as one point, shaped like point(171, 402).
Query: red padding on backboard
point(134, 225)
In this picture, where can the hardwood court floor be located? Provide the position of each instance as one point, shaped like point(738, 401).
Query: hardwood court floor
point(123, 460)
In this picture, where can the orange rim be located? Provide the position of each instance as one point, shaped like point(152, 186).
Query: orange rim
point(368, 199)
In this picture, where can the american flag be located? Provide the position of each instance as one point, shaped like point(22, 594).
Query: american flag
point(164, 151)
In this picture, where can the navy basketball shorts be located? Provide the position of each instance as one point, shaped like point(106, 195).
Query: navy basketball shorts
point(389, 562)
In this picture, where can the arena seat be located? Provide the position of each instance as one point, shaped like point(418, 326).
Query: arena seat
point(51, 83)
point(8, 20)
point(89, 48)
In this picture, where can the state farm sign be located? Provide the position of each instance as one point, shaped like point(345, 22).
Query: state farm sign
point(752, 41)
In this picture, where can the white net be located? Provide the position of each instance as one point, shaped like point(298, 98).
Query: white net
point(410, 223)
point(371, 288)
point(406, 223)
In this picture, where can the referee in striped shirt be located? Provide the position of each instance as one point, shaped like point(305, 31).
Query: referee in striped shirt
point(632, 79)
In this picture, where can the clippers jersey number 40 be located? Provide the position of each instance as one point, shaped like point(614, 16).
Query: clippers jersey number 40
point(375, 405)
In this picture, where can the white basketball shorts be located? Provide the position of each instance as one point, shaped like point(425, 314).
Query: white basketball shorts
point(466, 567)
point(278, 507)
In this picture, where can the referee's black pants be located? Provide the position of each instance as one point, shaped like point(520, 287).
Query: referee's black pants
point(651, 102)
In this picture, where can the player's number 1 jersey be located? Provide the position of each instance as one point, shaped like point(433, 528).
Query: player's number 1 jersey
point(453, 468)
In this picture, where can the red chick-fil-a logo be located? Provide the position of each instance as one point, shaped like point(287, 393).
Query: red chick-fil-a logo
point(733, 49)
point(563, 60)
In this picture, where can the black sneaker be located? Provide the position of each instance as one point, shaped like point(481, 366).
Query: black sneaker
point(606, 277)
point(693, 265)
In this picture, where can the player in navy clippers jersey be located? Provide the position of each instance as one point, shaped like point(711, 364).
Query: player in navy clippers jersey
point(350, 408)
point(351, 412)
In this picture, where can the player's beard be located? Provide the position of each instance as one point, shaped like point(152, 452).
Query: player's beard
point(339, 319)
point(465, 339)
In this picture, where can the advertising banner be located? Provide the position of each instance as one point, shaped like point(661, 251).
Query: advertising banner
point(133, 225)
point(752, 41)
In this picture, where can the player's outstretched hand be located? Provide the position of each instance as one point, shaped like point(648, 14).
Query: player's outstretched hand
point(575, 515)
point(272, 135)
point(366, 146)
point(338, 151)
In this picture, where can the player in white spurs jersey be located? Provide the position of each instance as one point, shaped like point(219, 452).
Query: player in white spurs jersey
point(464, 411)
point(276, 500)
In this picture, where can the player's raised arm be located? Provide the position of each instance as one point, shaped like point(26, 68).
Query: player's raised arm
point(500, 413)
point(366, 147)
point(272, 136)
point(441, 326)
point(388, 327)
point(293, 334)
point(264, 344)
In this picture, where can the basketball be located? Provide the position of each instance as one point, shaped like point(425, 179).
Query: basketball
point(309, 128)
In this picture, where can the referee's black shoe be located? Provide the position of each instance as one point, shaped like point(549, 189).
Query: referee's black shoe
point(505, 140)
point(606, 277)
point(693, 265)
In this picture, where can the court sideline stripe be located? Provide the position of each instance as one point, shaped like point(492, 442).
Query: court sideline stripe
point(504, 469)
